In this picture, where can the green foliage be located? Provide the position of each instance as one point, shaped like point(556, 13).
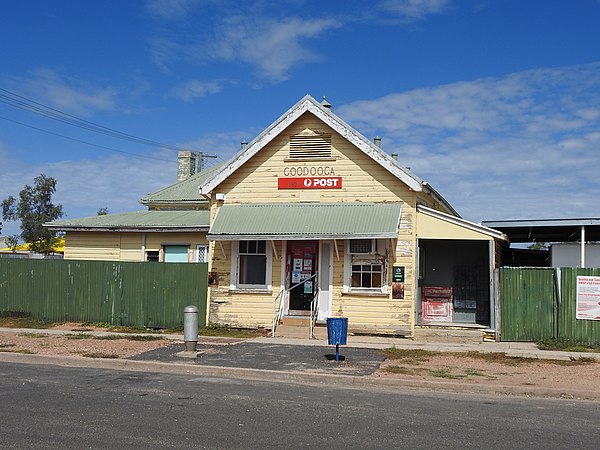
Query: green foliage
point(225, 331)
point(102, 211)
point(20, 319)
point(539, 246)
point(33, 208)
point(12, 242)
point(566, 345)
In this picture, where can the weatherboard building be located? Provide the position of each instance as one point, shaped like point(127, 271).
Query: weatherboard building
point(310, 216)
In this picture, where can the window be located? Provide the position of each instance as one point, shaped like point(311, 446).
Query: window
point(176, 253)
point(253, 265)
point(202, 253)
point(365, 268)
point(367, 276)
point(152, 255)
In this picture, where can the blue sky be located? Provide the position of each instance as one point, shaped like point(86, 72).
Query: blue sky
point(496, 103)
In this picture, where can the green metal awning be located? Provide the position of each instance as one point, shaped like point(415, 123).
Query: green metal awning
point(283, 221)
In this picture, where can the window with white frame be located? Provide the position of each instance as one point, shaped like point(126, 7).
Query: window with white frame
point(365, 266)
point(202, 253)
point(253, 262)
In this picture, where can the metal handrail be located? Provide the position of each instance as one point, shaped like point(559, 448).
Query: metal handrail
point(314, 312)
point(277, 306)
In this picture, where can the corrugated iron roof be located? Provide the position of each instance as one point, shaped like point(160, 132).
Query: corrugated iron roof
point(279, 221)
point(142, 220)
point(185, 191)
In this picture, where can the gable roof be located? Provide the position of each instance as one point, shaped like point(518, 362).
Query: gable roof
point(309, 104)
point(137, 221)
point(185, 191)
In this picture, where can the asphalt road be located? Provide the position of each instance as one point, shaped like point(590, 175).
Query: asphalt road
point(45, 406)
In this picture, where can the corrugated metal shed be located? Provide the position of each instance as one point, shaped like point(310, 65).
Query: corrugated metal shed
point(140, 220)
point(279, 221)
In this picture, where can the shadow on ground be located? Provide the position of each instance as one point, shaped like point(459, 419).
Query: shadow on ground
point(353, 361)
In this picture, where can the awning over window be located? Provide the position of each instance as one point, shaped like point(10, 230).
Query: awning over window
point(306, 221)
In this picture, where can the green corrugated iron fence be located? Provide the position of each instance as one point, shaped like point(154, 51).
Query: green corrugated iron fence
point(540, 303)
point(527, 304)
point(121, 293)
point(585, 331)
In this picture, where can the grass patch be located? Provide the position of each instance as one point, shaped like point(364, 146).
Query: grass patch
point(19, 319)
point(96, 324)
point(403, 370)
point(445, 372)
point(573, 362)
point(566, 345)
point(9, 348)
point(408, 356)
point(135, 337)
point(474, 372)
point(497, 357)
point(33, 335)
point(79, 336)
point(100, 355)
point(225, 331)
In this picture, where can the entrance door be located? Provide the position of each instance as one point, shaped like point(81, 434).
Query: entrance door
point(301, 264)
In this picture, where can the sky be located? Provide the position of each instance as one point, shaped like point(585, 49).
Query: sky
point(495, 103)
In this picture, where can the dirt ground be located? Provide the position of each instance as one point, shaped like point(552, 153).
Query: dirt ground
point(41, 343)
point(581, 375)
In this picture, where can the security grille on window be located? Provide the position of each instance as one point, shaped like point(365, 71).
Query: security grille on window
point(202, 253)
point(252, 266)
point(367, 276)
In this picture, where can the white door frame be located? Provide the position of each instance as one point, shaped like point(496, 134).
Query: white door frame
point(325, 295)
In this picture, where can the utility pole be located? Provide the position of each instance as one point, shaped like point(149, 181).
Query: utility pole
point(200, 159)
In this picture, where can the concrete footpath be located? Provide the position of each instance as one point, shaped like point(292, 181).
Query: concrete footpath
point(307, 361)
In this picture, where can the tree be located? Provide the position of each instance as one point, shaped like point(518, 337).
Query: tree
point(12, 242)
point(33, 209)
point(103, 211)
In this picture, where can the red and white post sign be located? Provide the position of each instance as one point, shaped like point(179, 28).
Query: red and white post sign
point(588, 298)
point(310, 183)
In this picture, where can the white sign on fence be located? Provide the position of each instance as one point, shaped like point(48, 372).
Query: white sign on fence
point(588, 298)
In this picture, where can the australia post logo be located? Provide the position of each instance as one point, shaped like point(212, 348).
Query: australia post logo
point(310, 183)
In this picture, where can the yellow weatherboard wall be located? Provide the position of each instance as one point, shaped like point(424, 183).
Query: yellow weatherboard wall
point(430, 227)
point(363, 180)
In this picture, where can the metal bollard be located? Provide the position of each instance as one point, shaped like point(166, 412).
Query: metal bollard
point(190, 328)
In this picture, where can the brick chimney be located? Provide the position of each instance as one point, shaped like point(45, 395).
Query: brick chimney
point(186, 164)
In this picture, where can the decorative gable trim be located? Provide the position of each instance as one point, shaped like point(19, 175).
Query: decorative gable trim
point(309, 104)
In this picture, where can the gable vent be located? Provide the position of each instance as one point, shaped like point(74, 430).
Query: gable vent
point(310, 144)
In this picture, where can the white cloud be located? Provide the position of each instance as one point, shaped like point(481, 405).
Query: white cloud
point(171, 9)
point(63, 93)
point(414, 9)
point(521, 146)
point(273, 46)
point(195, 88)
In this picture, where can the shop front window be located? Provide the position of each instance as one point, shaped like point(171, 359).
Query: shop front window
point(367, 276)
point(253, 265)
point(365, 266)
